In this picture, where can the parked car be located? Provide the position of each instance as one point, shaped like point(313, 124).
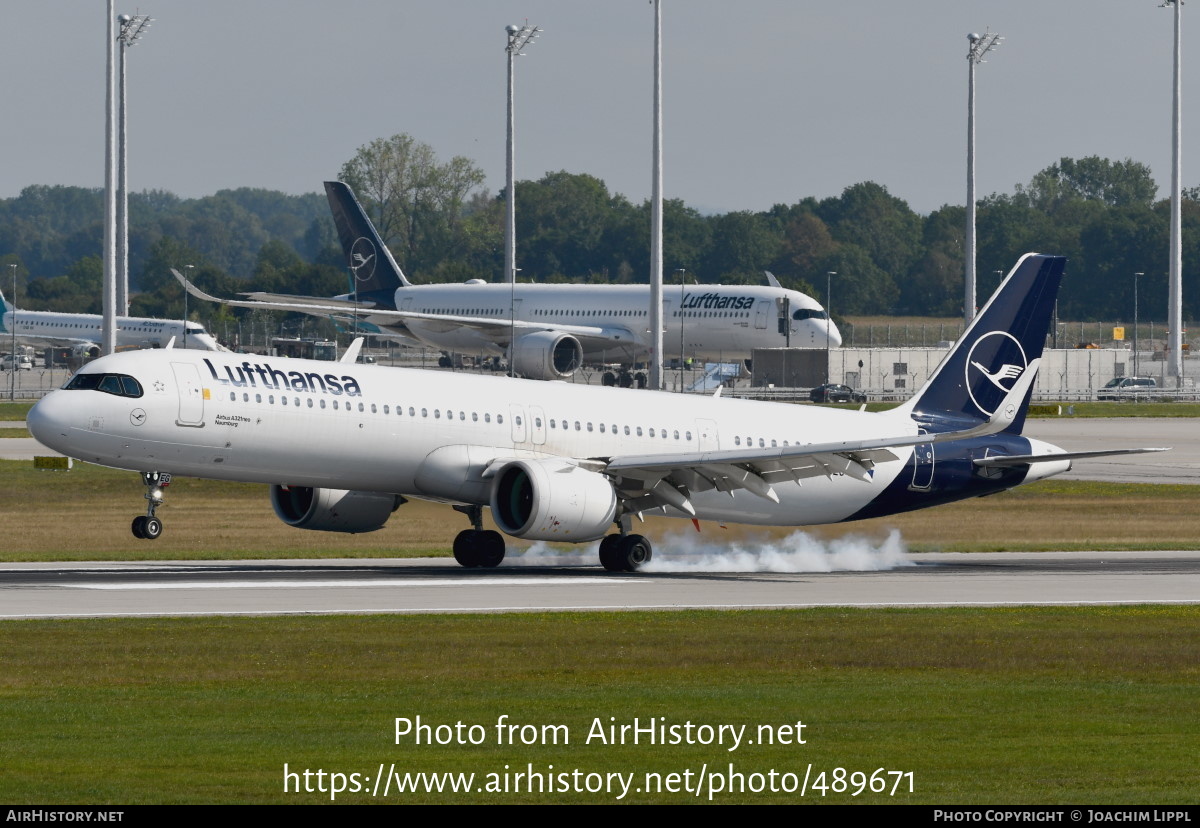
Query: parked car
point(832, 392)
point(1122, 388)
point(24, 363)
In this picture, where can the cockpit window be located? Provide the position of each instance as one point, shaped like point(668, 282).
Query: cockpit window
point(805, 313)
point(120, 385)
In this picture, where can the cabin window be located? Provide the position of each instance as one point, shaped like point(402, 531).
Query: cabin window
point(500, 419)
point(335, 405)
point(651, 432)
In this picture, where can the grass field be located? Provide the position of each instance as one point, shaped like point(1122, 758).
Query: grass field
point(213, 520)
point(1052, 705)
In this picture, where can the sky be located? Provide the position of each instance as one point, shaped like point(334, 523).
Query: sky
point(765, 101)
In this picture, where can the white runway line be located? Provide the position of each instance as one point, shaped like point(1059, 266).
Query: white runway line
point(349, 583)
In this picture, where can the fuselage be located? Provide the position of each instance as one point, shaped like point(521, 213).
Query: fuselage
point(132, 331)
point(710, 322)
point(435, 434)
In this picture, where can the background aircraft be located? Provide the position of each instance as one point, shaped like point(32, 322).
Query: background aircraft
point(81, 331)
point(548, 331)
point(343, 446)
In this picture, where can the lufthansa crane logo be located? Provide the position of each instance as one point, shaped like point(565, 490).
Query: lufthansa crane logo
point(362, 258)
point(994, 364)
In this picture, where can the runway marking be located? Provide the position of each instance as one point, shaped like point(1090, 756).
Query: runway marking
point(528, 581)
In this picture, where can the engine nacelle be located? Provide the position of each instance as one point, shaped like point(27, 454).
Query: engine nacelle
point(546, 355)
point(333, 510)
point(552, 500)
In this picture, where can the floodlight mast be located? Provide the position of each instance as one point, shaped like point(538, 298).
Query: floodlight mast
point(657, 379)
point(518, 38)
point(980, 46)
point(108, 322)
point(131, 28)
point(1175, 281)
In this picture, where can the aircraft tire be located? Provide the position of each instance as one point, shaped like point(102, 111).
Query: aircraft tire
point(152, 528)
point(489, 548)
point(466, 548)
point(608, 379)
point(138, 527)
point(634, 552)
point(609, 557)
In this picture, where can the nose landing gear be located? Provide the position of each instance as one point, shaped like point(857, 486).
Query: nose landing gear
point(147, 526)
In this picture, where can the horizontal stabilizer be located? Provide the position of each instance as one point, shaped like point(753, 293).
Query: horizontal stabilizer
point(1026, 459)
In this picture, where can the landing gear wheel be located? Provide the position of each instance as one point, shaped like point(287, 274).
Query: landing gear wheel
point(625, 379)
point(147, 526)
point(608, 553)
point(489, 548)
point(640, 379)
point(152, 528)
point(466, 548)
point(608, 379)
point(633, 552)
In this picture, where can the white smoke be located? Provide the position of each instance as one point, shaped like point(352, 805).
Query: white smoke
point(797, 552)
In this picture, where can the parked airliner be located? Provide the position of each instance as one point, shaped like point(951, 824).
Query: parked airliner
point(343, 446)
point(81, 331)
point(548, 331)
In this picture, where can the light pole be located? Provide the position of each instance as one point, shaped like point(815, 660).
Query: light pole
point(518, 38)
point(980, 46)
point(829, 274)
point(1175, 289)
point(682, 273)
point(657, 380)
point(131, 28)
point(1136, 366)
point(189, 269)
point(12, 365)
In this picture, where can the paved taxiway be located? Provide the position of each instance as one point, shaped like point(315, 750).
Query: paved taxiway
point(50, 590)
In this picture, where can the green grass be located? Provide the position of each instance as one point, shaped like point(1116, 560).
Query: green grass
point(213, 520)
point(14, 432)
point(1048, 705)
point(14, 411)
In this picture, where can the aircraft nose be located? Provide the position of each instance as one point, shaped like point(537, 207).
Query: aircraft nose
point(835, 336)
point(49, 420)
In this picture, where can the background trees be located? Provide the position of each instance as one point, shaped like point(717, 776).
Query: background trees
point(442, 226)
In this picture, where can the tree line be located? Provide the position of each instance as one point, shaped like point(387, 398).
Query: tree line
point(441, 226)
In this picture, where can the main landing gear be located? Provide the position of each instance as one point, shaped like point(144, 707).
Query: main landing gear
point(625, 553)
point(477, 546)
point(623, 378)
point(147, 526)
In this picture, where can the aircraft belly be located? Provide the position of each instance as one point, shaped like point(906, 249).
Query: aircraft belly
point(819, 500)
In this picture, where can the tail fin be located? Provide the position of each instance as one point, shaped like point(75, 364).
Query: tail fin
point(366, 255)
point(999, 345)
point(4, 308)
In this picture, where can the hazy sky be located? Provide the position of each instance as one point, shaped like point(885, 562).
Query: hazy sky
point(766, 101)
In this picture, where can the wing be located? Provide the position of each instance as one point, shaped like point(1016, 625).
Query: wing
point(496, 330)
point(652, 481)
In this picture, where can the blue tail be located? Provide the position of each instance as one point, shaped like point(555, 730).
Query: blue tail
point(996, 349)
point(367, 256)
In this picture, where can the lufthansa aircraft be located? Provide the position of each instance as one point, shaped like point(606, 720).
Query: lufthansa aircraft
point(548, 331)
point(81, 331)
point(343, 446)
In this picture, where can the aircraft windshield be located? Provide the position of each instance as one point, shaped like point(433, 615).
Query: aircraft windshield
point(805, 313)
point(120, 385)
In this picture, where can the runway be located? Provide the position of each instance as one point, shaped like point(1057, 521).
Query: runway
point(77, 590)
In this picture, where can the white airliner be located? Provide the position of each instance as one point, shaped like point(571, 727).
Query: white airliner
point(556, 328)
point(343, 446)
point(81, 331)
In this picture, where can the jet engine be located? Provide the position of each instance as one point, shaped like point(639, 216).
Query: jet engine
point(333, 510)
point(546, 355)
point(552, 500)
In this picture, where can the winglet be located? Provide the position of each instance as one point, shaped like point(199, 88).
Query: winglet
point(195, 291)
point(352, 350)
point(771, 280)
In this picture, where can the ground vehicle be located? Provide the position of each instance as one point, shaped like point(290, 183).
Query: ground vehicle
point(23, 362)
point(832, 392)
point(1124, 388)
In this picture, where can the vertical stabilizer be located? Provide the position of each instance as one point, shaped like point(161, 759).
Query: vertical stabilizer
point(1000, 344)
point(367, 256)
